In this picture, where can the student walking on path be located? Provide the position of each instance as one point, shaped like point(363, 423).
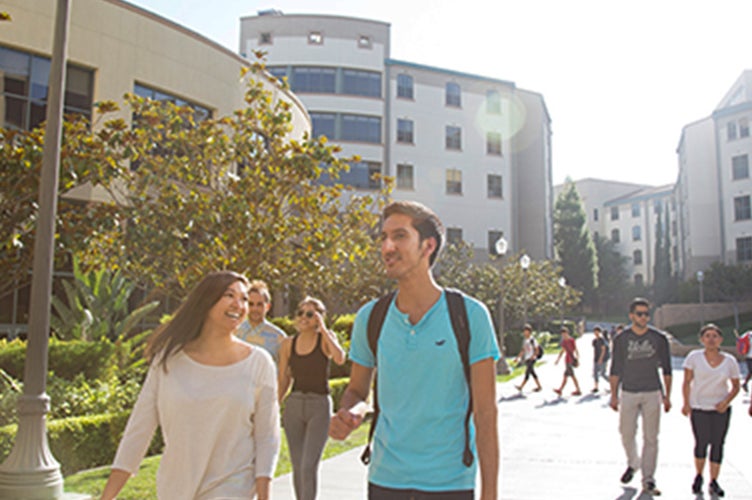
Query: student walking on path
point(711, 382)
point(529, 355)
point(571, 361)
point(600, 357)
point(639, 351)
point(423, 446)
point(304, 361)
point(214, 397)
point(256, 329)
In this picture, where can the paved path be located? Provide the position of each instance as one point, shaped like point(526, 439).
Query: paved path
point(569, 447)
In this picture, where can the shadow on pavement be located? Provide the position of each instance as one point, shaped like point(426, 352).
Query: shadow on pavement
point(588, 398)
point(554, 402)
point(513, 397)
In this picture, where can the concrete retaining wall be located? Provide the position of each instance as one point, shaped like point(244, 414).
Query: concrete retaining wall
point(677, 314)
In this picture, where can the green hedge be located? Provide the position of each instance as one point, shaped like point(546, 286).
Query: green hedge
point(66, 359)
point(81, 442)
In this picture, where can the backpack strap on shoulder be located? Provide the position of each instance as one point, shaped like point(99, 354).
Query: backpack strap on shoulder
point(373, 331)
point(458, 314)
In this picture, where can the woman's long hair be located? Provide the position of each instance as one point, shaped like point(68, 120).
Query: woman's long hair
point(188, 320)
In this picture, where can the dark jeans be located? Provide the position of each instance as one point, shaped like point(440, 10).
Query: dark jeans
point(380, 493)
point(530, 369)
point(710, 429)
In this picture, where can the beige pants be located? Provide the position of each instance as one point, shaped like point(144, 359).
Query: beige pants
point(648, 405)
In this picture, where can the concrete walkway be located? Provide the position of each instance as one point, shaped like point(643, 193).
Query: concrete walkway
point(569, 447)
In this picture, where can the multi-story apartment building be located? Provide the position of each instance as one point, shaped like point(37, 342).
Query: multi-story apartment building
point(714, 185)
point(632, 216)
point(113, 48)
point(475, 149)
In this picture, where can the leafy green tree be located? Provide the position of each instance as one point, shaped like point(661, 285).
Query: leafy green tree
point(574, 246)
point(729, 283)
point(612, 277)
point(664, 282)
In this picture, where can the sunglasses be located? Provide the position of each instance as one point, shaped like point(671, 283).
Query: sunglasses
point(642, 314)
point(308, 314)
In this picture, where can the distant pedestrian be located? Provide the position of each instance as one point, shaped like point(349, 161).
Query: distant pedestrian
point(529, 355)
point(711, 382)
point(571, 361)
point(600, 357)
point(256, 329)
point(744, 348)
point(638, 353)
point(304, 362)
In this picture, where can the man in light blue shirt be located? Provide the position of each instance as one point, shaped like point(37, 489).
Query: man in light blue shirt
point(256, 329)
point(423, 394)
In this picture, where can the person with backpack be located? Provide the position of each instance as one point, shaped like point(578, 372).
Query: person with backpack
point(530, 352)
point(425, 445)
point(601, 354)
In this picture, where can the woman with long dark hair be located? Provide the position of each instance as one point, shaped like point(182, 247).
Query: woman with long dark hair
point(711, 382)
point(214, 397)
point(304, 361)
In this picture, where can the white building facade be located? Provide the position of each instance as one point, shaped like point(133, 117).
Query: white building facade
point(475, 149)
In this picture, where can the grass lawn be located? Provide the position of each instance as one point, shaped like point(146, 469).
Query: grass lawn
point(142, 486)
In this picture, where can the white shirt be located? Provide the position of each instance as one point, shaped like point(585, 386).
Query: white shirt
point(710, 385)
point(220, 426)
point(528, 349)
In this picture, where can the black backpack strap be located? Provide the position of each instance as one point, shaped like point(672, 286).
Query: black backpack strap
point(375, 322)
point(458, 315)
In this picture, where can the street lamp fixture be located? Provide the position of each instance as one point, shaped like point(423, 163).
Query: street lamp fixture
point(700, 279)
point(524, 264)
point(501, 246)
point(563, 285)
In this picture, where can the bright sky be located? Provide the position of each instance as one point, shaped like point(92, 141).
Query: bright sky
point(620, 78)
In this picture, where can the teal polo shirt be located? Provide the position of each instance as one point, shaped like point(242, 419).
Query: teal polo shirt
point(423, 395)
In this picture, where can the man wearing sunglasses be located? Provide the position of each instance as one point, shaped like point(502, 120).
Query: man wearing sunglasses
point(638, 353)
point(419, 438)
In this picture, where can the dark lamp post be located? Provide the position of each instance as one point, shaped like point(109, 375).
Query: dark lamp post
point(501, 247)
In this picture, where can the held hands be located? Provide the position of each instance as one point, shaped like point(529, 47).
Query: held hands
point(344, 422)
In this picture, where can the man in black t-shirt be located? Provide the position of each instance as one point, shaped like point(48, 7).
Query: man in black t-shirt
point(638, 353)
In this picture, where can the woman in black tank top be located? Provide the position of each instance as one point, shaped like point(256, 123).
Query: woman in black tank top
point(304, 362)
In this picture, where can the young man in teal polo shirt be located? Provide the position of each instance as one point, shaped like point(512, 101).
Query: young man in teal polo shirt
point(423, 394)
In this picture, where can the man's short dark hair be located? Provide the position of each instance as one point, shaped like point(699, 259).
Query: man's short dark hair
point(597, 328)
point(638, 301)
point(527, 326)
point(425, 221)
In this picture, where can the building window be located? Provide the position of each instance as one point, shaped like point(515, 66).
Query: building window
point(493, 237)
point(362, 175)
point(636, 233)
point(201, 112)
point(637, 257)
point(364, 42)
point(453, 95)
point(639, 280)
point(493, 143)
point(635, 209)
point(361, 128)
point(405, 131)
point(278, 72)
point(742, 208)
point(614, 213)
point(313, 79)
point(743, 127)
point(453, 181)
point(731, 131)
point(405, 177)
point(324, 124)
point(615, 236)
point(740, 167)
point(595, 214)
point(454, 235)
point(453, 138)
point(265, 39)
point(657, 207)
point(493, 102)
point(365, 83)
point(405, 86)
point(744, 249)
point(494, 186)
point(674, 228)
point(675, 251)
point(23, 89)
point(315, 38)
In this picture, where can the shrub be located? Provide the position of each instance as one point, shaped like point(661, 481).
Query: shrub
point(337, 387)
point(81, 442)
point(66, 359)
point(285, 323)
point(344, 324)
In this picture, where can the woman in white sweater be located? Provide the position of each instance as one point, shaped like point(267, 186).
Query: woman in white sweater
point(711, 382)
point(214, 397)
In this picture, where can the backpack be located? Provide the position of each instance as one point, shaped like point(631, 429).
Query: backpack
point(742, 344)
point(538, 350)
point(458, 314)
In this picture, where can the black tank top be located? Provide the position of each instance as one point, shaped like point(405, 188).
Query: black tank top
point(310, 372)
